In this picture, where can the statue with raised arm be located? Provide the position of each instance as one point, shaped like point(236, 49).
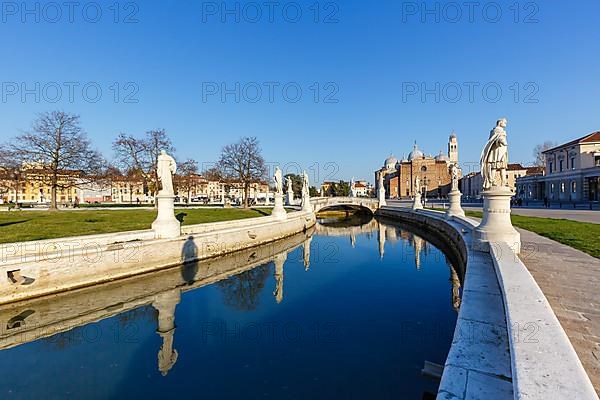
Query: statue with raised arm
point(494, 158)
point(165, 168)
point(278, 179)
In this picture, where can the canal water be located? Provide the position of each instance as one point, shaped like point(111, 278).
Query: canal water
point(351, 310)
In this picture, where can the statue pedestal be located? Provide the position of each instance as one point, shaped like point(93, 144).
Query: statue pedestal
point(306, 206)
point(496, 225)
point(417, 204)
point(166, 226)
point(455, 209)
point(278, 211)
point(382, 199)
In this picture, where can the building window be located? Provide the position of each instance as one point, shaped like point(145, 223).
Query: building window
point(572, 162)
point(562, 187)
point(424, 168)
point(597, 161)
point(573, 187)
point(551, 166)
point(560, 165)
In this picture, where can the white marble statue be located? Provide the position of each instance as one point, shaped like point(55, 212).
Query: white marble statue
point(165, 168)
point(494, 157)
point(288, 180)
point(417, 185)
point(454, 170)
point(278, 179)
point(305, 184)
point(381, 185)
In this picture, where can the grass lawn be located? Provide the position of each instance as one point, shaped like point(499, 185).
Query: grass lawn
point(18, 226)
point(582, 236)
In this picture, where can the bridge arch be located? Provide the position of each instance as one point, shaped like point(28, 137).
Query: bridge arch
point(351, 203)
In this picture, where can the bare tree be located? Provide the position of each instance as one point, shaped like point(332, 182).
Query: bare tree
point(213, 174)
point(59, 148)
point(10, 173)
point(141, 154)
point(187, 174)
point(243, 162)
point(538, 153)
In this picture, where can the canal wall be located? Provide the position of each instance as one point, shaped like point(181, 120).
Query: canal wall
point(41, 317)
point(508, 343)
point(33, 269)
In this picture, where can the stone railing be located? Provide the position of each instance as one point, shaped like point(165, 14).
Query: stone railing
point(544, 363)
point(508, 342)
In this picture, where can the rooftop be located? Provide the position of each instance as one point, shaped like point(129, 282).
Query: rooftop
point(590, 138)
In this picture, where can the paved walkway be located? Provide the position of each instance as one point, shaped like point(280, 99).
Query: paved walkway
point(570, 279)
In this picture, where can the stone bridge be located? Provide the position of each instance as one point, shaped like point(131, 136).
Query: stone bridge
point(321, 203)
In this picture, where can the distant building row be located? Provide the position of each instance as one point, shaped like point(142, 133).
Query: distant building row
point(31, 185)
point(572, 173)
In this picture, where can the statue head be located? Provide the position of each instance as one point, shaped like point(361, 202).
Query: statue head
point(162, 152)
point(502, 122)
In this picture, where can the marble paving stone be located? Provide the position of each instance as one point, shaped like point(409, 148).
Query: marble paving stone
point(486, 283)
point(454, 383)
point(485, 387)
point(483, 307)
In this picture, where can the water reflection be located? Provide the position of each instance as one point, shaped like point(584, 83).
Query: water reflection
point(355, 315)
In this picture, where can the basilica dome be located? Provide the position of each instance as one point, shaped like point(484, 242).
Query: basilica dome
point(415, 153)
point(390, 162)
point(442, 157)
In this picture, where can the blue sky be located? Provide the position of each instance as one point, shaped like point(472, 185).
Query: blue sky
point(368, 61)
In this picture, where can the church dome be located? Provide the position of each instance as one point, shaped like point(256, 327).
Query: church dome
point(415, 153)
point(442, 157)
point(390, 162)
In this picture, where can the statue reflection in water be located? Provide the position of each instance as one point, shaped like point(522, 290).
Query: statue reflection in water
point(279, 261)
point(456, 285)
point(165, 304)
point(306, 253)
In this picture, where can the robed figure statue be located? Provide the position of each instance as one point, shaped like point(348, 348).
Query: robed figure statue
point(278, 179)
point(165, 169)
point(494, 157)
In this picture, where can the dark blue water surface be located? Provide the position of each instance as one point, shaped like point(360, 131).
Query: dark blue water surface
point(348, 322)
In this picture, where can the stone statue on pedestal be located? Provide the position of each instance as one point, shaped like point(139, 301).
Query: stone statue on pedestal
point(165, 168)
point(306, 206)
point(496, 225)
point(417, 185)
point(278, 179)
point(288, 180)
point(278, 211)
point(454, 196)
point(454, 170)
point(381, 189)
point(166, 225)
point(417, 205)
point(352, 188)
point(494, 157)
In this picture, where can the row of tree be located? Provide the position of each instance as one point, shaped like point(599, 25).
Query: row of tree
point(58, 144)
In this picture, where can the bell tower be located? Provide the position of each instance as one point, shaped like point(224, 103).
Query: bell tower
point(453, 148)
